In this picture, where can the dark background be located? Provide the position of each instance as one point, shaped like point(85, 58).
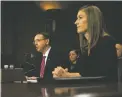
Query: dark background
point(21, 20)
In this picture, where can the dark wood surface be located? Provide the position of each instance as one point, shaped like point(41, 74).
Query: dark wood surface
point(61, 90)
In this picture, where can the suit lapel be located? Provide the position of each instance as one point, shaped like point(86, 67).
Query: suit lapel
point(48, 63)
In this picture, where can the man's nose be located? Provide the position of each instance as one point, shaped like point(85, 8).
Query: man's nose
point(70, 56)
point(35, 44)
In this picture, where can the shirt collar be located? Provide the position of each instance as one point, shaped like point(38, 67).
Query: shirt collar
point(120, 57)
point(47, 52)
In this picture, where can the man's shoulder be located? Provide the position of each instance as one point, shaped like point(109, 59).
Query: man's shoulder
point(53, 53)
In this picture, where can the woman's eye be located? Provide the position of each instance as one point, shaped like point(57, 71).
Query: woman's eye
point(80, 17)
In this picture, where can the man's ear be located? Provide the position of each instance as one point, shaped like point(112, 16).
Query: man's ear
point(48, 41)
point(78, 56)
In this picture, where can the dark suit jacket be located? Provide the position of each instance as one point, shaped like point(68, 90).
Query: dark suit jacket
point(102, 61)
point(53, 60)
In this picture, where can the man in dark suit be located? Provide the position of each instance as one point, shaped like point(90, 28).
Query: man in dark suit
point(49, 59)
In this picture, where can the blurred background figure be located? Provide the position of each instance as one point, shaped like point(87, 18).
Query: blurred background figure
point(73, 62)
point(119, 55)
point(119, 50)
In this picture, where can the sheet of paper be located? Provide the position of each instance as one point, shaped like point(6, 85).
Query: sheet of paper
point(32, 81)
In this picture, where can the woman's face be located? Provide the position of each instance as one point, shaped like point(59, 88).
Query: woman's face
point(81, 22)
point(73, 56)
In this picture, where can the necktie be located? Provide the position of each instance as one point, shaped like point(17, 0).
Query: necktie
point(42, 67)
point(44, 92)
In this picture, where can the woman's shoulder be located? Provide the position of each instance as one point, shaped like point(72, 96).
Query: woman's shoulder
point(107, 40)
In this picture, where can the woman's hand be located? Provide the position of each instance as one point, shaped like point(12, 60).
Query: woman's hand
point(60, 72)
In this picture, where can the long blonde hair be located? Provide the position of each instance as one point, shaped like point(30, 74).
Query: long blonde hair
point(96, 27)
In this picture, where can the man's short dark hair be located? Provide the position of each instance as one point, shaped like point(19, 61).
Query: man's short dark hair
point(45, 34)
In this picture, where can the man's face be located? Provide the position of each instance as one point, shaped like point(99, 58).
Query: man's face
point(73, 56)
point(40, 42)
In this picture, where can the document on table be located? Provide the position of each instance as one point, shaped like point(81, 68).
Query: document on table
point(32, 81)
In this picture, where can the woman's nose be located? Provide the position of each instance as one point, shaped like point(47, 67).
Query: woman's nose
point(75, 22)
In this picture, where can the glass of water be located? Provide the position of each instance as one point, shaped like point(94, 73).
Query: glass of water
point(11, 66)
point(5, 66)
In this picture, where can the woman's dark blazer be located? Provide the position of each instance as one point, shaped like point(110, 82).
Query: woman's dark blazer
point(102, 60)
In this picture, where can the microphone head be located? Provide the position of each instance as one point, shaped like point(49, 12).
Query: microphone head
point(32, 55)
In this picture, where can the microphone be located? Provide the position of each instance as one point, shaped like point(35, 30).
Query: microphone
point(29, 59)
point(29, 56)
point(32, 55)
point(29, 71)
point(30, 64)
